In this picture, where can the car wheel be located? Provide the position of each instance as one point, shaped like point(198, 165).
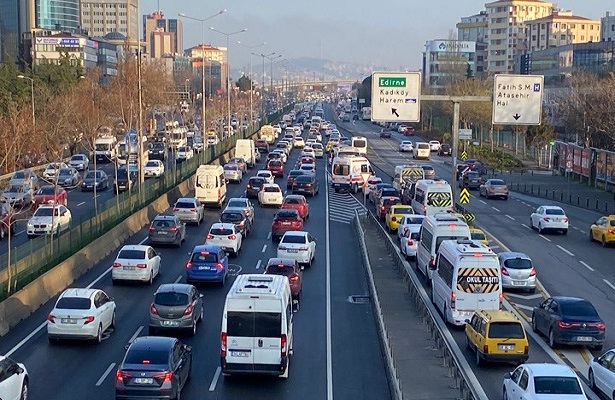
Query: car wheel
point(564, 231)
point(222, 283)
point(99, 334)
point(603, 241)
point(24, 390)
point(552, 342)
point(592, 380)
point(193, 331)
point(113, 323)
point(534, 325)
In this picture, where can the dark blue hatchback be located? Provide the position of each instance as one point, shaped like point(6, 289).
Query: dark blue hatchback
point(207, 264)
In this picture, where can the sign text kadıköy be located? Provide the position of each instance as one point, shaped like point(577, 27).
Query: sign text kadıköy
point(396, 96)
point(517, 99)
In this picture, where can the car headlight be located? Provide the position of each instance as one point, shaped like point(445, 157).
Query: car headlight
point(30, 226)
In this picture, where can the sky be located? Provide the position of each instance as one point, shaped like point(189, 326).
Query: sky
point(390, 33)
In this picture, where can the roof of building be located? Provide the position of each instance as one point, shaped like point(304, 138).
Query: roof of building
point(558, 17)
point(516, 1)
point(114, 36)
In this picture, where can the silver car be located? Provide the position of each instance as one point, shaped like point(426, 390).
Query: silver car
point(189, 209)
point(243, 203)
point(80, 162)
point(232, 173)
point(175, 306)
point(167, 229)
point(517, 271)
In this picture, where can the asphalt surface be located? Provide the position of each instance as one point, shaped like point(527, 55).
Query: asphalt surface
point(567, 265)
point(333, 358)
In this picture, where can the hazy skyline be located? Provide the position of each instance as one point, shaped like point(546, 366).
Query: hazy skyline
point(391, 33)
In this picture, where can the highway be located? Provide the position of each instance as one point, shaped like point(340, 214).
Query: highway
point(567, 265)
point(336, 352)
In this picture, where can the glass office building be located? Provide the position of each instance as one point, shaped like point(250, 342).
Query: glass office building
point(9, 29)
point(58, 15)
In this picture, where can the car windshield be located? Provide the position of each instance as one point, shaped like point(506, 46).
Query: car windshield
point(292, 200)
point(518, 263)
point(45, 212)
point(204, 257)
point(506, 330)
point(413, 220)
point(73, 303)
point(132, 254)
point(122, 174)
point(578, 308)
point(93, 175)
point(151, 164)
point(403, 210)
point(171, 299)
point(19, 175)
point(66, 171)
point(478, 236)
point(264, 174)
point(147, 356)
point(15, 189)
point(554, 211)
point(231, 217)
point(275, 163)
point(293, 239)
point(557, 385)
point(46, 190)
point(221, 231)
point(231, 167)
point(287, 214)
point(256, 181)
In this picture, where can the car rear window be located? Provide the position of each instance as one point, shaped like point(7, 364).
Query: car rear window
point(204, 257)
point(256, 181)
point(279, 269)
point(253, 324)
point(579, 308)
point(236, 203)
point(132, 254)
point(231, 167)
point(171, 299)
point(287, 214)
point(556, 385)
point(293, 239)
point(220, 231)
point(272, 189)
point(292, 200)
point(496, 182)
point(303, 179)
point(164, 223)
point(477, 236)
point(184, 204)
point(231, 217)
point(147, 356)
point(506, 330)
point(73, 303)
point(554, 211)
point(275, 163)
point(413, 220)
point(389, 201)
point(423, 146)
point(403, 210)
point(518, 263)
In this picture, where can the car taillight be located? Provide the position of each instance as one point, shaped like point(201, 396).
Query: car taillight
point(485, 348)
point(611, 231)
point(308, 184)
point(410, 242)
point(188, 265)
point(210, 236)
point(141, 265)
point(598, 325)
point(381, 208)
point(505, 271)
point(294, 278)
point(116, 265)
point(152, 229)
point(283, 344)
point(282, 248)
point(223, 344)
point(165, 376)
point(88, 319)
point(51, 318)
point(565, 325)
point(566, 219)
point(546, 219)
point(188, 310)
point(232, 237)
point(241, 223)
point(175, 209)
point(152, 309)
point(453, 300)
point(533, 272)
point(121, 375)
point(174, 229)
point(219, 265)
point(424, 209)
point(248, 186)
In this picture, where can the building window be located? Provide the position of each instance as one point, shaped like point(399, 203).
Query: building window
point(582, 37)
point(613, 28)
point(562, 37)
point(563, 26)
point(582, 26)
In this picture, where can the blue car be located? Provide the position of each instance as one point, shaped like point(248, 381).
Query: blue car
point(207, 264)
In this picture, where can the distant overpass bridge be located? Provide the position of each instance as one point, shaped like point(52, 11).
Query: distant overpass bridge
point(326, 85)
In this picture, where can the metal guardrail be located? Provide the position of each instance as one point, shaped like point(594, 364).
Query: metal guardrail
point(39, 255)
point(456, 364)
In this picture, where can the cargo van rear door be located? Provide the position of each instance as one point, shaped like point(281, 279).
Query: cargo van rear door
point(267, 333)
point(240, 337)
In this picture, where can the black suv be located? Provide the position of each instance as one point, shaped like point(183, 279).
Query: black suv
point(125, 180)
point(157, 151)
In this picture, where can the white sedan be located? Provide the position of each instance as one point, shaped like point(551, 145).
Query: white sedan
point(136, 262)
point(225, 236)
point(434, 145)
point(542, 381)
point(319, 150)
point(283, 155)
point(14, 385)
point(270, 195)
point(549, 218)
point(184, 153)
point(408, 244)
point(299, 246)
point(408, 222)
point(308, 151)
point(299, 143)
point(372, 181)
point(406, 145)
point(49, 219)
point(311, 168)
point(52, 170)
point(153, 169)
point(266, 175)
point(601, 373)
point(81, 314)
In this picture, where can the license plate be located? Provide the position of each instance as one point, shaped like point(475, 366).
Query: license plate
point(144, 381)
point(292, 250)
point(162, 233)
point(506, 347)
point(519, 283)
point(128, 268)
point(584, 339)
point(204, 268)
point(285, 223)
point(170, 323)
point(68, 320)
point(240, 354)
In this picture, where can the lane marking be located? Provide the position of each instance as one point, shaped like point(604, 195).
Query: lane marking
point(264, 248)
point(105, 374)
point(565, 251)
point(609, 283)
point(328, 298)
point(583, 263)
point(482, 201)
point(144, 240)
point(525, 226)
point(179, 278)
point(523, 307)
point(258, 264)
point(214, 381)
point(24, 340)
point(495, 209)
point(544, 237)
point(269, 236)
point(95, 281)
point(19, 233)
point(132, 339)
point(509, 217)
point(80, 204)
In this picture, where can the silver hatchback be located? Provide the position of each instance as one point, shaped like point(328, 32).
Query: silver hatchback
point(189, 209)
point(175, 306)
point(518, 271)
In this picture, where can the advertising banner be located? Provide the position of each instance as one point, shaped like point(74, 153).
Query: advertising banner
point(585, 162)
point(576, 159)
point(601, 165)
point(610, 166)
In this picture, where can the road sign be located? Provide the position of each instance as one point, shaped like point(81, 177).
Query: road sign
point(469, 217)
point(465, 134)
point(396, 96)
point(361, 101)
point(464, 155)
point(365, 176)
point(464, 196)
point(517, 99)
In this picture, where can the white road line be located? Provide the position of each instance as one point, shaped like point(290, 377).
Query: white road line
point(264, 248)
point(24, 340)
point(565, 251)
point(19, 233)
point(214, 381)
point(105, 374)
point(95, 281)
point(269, 236)
point(80, 204)
point(509, 217)
point(495, 209)
point(258, 264)
point(529, 308)
point(144, 240)
point(574, 227)
point(482, 201)
point(525, 226)
point(328, 300)
point(583, 263)
point(609, 284)
point(582, 231)
point(179, 278)
point(132, 339)
point(545, 238)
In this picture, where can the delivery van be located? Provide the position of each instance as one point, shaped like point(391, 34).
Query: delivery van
point(257, 326)
point(210, 185)
point(245, 149)
point(268, 133)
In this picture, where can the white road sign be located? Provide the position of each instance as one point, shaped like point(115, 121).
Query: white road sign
point(517, 99)
point(396, 96)
point(465, 134)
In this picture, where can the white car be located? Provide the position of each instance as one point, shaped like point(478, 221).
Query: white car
point(372, 181)
point(153, 169)
point(542, 381)
point(270, 195)
point(601, 373)
point(266, 175)
point(408, 244)
point(299, 246)
point(212, 140)
point(136, 262)
point(308, 168)
point(47, 219)
point(225, 236)
point(283, 155)
point(308, 151)
point(52, 170)
point(14, 383)
point(408, 222)
point(80, 162)
point(549, 218)
point(81, 313)
point(184, 153)
point(299, 143)
point(232, 173)
point(318, 136)
point(434, 145)
point(406, 145)
point(319, 150)
point(277, 130)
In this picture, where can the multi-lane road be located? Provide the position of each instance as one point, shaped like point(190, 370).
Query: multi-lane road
point(336, 354)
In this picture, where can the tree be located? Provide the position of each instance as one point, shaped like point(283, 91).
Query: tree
point(244, 84)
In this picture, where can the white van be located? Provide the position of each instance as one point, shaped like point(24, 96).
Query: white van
point(467, 278)
point(210, 185)
point(245, 149)
point(105, 148)
point(257, 326)
point(432, 196)
point(421, 150)
point(359, 143)
point(434, 230)
point(406, 175)
point(346, 173)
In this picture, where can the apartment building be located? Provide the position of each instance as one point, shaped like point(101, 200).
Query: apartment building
point(607, 24)
point(100, 17)
point(559, 29)
point(474, 29)
point(162, 36)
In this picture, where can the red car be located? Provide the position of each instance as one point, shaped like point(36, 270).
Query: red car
point(285, 220)
point(289, 268)
point(262, 145)
point(276, 167)
point(297, 202)
point(385, 204)
point(48, 194)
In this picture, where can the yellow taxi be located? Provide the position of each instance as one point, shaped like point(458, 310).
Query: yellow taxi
point(478, 234)
point(603, 230)
point(330, 144)
point(496, 336)
point(395, 214)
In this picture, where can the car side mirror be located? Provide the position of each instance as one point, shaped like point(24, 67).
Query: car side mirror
point(467, 321)
point(185, 347)
point(507, 375)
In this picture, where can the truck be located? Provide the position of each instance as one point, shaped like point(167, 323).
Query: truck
point(105, 148)
point(366, 113)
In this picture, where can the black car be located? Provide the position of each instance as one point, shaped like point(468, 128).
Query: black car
point(385, 133)
point(153, 367)
point(125, 180)
point(292, 175)
point(237, 216)
point(470, 180)
point(385, 192)
point(445, 150)
point(157, 151)
point(569, 320)
point(95, 179)
point(255, 184)
point(306, 184)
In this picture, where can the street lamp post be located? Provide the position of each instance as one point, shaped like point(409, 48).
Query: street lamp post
point(271, 73)
point(263, 80)
point(251, 80)
point(202, 21)
point(228, 71)
point(31, 94)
